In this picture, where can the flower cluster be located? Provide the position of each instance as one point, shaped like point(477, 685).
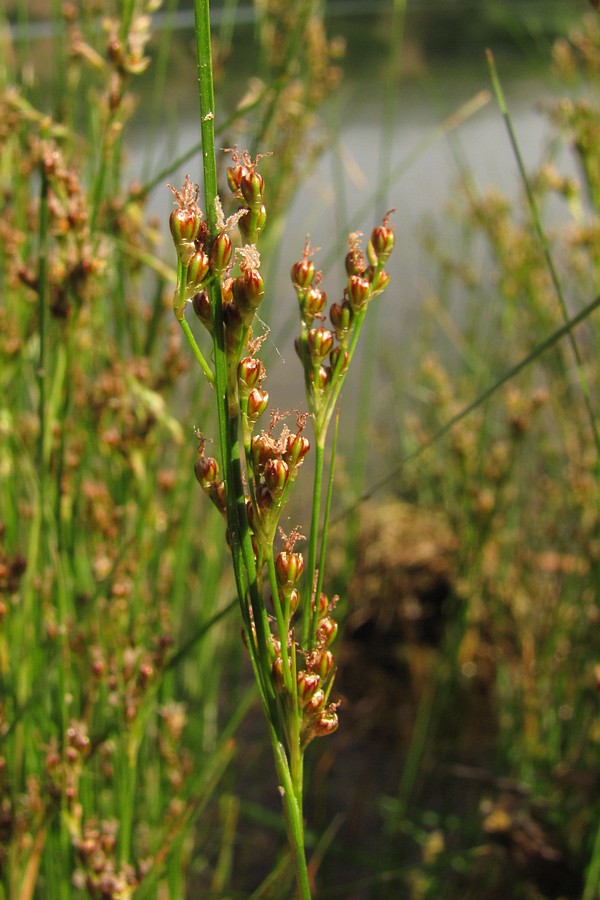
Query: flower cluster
point(225, 289)
point(325, 353)
point(314, 673)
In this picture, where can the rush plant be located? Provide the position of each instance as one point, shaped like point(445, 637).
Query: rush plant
point(288, 622)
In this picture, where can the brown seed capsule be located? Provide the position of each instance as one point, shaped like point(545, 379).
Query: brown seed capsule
point(206, 470)
point(335, 355)
point(315, 704)
point(359, 292)
point(303, 273)
point(261, 450)
point(221, 253)
point(379, 280)
point(307, 686)
point(381, 244)
point(276, 477)
point(288, 568)
point(327, 722)
point(341, 316)
point(249, 372)
point(312, 304)
point(198, 268)
point(326, 632)
point(252, 186)
point(320, 342)
point(296, 448)
point(258, 400)
point(321, 378)
point(234, 178)
point(321, 662)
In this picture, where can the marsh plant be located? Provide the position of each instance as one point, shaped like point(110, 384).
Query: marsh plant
point(288, 619)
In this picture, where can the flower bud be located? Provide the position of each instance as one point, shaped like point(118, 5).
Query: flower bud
point(293, 600)
point(263, 498)
point(303, 273)
point(322, 661)
point(198, 268)
point(206, 470)
point(234, 178)
point(261, 450)
point(379, 280)
point(221, 253)
point(307, 686)
point(288, 568)
point(355, 262)
point(321, 378)
point(249, 372)
point(276, 477)
point(326, 632)
point(312, 303)
point(316, 703)
point(257, 403)
point(381, 244)
point(245, 224)
point(335, 355)
point(184, 223)
point(322, 606)
point(359, 292)
point(341, 316)
point(248, 290)
point(252, 186)
point(320, 342)
point(327, 722)
point(296, 448)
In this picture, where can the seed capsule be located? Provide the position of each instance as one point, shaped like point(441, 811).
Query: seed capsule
point(303, 273)
point(221, 253)
point(258, 401)
point(288, 568)
point(276, 477)
point(359, 291)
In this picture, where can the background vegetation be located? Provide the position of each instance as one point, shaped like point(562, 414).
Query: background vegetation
point(132, 758)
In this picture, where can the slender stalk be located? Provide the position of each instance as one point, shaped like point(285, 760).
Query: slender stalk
point(313, 537)
point(289, 768)
point(325, 531)
point(207, 108)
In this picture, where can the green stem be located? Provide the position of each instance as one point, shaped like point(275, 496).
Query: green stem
point(307, 612)
point(207, 108)
point(244, 564)
point(196, 350)
point(325, 531)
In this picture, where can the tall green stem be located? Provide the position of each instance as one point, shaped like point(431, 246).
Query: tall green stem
point(288, 761)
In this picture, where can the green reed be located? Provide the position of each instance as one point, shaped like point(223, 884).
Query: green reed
point(291, 658)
